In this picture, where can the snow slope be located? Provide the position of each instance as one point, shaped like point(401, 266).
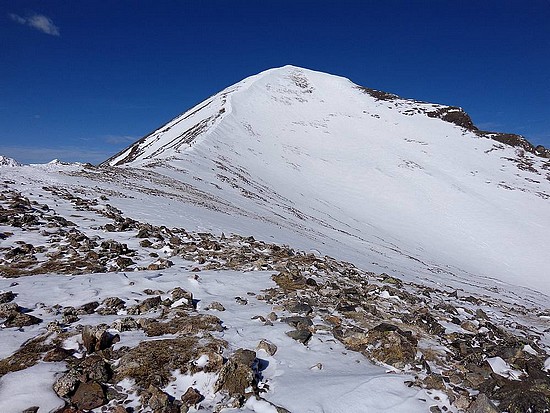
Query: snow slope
point(314, 160)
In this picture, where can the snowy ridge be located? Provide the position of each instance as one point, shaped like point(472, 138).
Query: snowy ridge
point(179, 134)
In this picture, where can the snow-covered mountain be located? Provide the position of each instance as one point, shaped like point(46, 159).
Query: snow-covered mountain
point(386, 182)
point(296, 243)
point(5, 161)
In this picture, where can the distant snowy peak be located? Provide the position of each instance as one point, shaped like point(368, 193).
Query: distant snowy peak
point(283, 89)
point(5, 161)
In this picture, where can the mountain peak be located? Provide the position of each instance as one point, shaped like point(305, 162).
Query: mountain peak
point(295, 95)
point(5, 161)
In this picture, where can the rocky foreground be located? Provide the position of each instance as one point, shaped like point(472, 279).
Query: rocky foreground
point(471, 353)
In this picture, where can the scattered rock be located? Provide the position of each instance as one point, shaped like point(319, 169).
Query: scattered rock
point(88, 308)
point(298, 322)
point(391, 345)
point(125, 324)
point(159, 401)
point(160, 264)
point(6, 309)
point(67, 383)
point(58, 354)
point(148, 304)
point(152, 362)
point(16, 319)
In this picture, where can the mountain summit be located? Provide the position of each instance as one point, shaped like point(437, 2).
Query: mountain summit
point(314, 159)
point(315, 93)
point(281, 247)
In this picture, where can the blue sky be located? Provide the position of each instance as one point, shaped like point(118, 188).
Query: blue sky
point(80, 80)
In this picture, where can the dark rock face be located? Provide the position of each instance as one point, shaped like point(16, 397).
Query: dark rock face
point(517, 141)
point(453, 114)
point(457, 116)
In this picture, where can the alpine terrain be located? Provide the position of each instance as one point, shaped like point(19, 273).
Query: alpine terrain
point(294, 243)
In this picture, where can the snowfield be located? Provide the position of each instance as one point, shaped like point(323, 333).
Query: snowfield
point(377, 228)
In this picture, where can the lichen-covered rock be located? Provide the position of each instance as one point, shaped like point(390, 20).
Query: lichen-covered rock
point(95, 368)
point(67, 383)
point(237, 374)
point(157, 400)
point(391, 345)
point(7, 308)
point(16, 319)
point(152, 362)
point(215, 305)
point(125, 324)
point(114, 302)
point(160, 264)
point(182, 324)
point(6, 297)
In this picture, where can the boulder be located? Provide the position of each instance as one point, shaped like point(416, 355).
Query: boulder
point(237, 374)
point(89, 395)
point(191, 397)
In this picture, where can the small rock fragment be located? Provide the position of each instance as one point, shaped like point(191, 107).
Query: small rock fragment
point(215, 305)
point(267, 346)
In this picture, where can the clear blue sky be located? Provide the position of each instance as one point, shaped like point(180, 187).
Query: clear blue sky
point(80, 80)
